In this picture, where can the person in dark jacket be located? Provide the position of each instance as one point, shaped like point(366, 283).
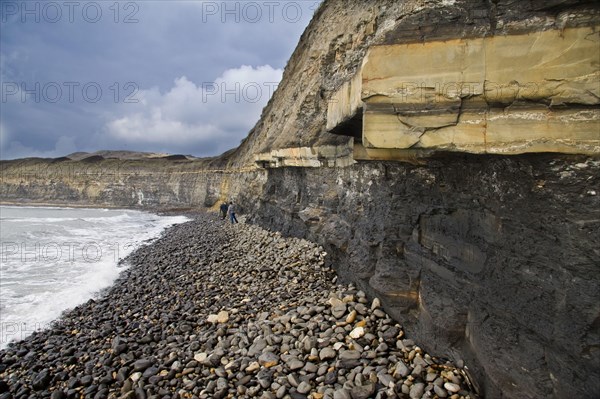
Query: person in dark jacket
point(223, 210)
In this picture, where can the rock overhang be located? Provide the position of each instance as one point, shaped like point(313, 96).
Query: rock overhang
point(504, 94)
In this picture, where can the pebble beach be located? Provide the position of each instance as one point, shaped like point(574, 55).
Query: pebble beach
point(214, 310)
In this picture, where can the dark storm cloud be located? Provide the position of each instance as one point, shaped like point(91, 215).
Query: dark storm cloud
point(166, 76)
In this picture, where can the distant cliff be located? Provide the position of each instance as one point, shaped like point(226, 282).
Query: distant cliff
point(447, 156)
point(114, 180)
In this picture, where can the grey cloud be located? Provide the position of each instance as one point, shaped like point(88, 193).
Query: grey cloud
point(169, 41)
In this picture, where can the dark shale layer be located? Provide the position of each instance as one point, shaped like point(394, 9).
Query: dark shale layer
point(493, 260)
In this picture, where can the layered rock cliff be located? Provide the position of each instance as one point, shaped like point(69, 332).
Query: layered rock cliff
point(445, 153)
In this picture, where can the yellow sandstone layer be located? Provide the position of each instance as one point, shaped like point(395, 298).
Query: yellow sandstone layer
point(536, 92)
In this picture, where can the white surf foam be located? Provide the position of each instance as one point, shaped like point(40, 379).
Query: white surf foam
point(54, 259)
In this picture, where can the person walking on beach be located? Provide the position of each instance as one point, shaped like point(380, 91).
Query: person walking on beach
point(231, 212)
point(224, 209)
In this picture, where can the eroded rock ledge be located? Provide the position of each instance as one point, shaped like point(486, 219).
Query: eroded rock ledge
point(533, 92)
point(400, 80)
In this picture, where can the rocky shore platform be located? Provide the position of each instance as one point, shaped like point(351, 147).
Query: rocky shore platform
point(214, 310)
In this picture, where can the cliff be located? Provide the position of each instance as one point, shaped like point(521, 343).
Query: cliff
point(446, 155)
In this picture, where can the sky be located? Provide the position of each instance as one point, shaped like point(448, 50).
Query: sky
point(179, 77)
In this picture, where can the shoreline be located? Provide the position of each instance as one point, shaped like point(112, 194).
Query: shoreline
point(67, 205)
point(70, 205)
point(189, 212)
point(92, 259)
point(211, 310)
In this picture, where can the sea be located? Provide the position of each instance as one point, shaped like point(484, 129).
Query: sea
point(53, 259)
